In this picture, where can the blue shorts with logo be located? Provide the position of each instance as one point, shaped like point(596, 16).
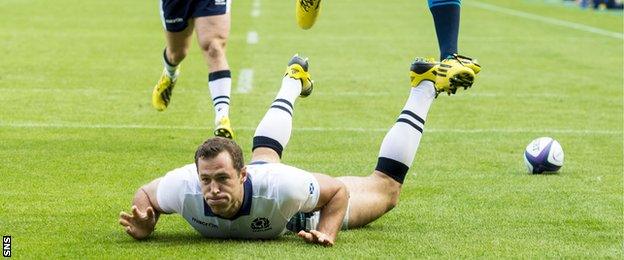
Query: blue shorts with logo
point(176, 13)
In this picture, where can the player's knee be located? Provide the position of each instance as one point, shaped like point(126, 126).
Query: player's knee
point(215, 48)
point(393, 199)
point(392, 190)
point(389, 187)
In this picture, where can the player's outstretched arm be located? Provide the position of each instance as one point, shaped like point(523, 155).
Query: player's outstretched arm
point(141, 221)
point(332, 202)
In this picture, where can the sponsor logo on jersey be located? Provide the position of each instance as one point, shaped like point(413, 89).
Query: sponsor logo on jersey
point(220, 2)
point(203, 223)
point(174, 20)
point(260, 224)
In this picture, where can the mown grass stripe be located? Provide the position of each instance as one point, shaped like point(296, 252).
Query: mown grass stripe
point(308, 129)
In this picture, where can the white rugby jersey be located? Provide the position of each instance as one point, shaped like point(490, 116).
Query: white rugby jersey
point(273, 193)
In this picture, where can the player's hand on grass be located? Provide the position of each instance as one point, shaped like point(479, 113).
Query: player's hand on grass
point(139, 224)
point(316, 237)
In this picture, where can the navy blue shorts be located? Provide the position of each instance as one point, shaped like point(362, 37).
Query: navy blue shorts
point(176, 13)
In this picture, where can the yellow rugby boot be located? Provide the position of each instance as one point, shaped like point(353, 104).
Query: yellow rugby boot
point(422, 69)
point(161, 95)
point(307, 11)
point(471, 63)
point(455, 72)
point(224, 129)
point(298, 69)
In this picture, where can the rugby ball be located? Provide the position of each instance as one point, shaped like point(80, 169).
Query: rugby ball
point(543, 154)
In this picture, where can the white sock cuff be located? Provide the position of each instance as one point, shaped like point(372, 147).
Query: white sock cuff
point(170, 68)
point(291, 88)
point(220, 90)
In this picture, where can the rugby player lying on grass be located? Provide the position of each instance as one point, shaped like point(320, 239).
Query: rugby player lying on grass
point(222, 198)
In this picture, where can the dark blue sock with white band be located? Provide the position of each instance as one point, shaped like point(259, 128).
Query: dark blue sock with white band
point(446, 15)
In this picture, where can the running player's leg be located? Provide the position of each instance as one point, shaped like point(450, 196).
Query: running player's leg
point(178, 31)
point(178, 44)
point(446, 14)
point(374, 195)
point(212, 24)
point(273, 132)
point(455, 71)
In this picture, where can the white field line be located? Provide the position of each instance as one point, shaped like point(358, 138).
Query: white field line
point(252, 38)
point(245, 80)
point(255, 8)
point(548, 20)
point(93, 91)
point(310, 129)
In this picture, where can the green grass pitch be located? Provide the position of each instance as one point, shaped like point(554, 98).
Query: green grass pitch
point(78, 135)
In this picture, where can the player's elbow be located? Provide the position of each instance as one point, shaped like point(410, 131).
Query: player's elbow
point(342, 193)
point(337, 196)
point(140, 196)
point(145, 196)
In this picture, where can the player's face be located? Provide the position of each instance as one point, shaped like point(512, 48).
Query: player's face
point(221, 184)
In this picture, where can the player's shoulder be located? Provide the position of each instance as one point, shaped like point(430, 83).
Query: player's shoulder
point(174, 186)
point(272, 169)
point(183, 178)
point(277, 179)
point(275, 173)
point(185, 172)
